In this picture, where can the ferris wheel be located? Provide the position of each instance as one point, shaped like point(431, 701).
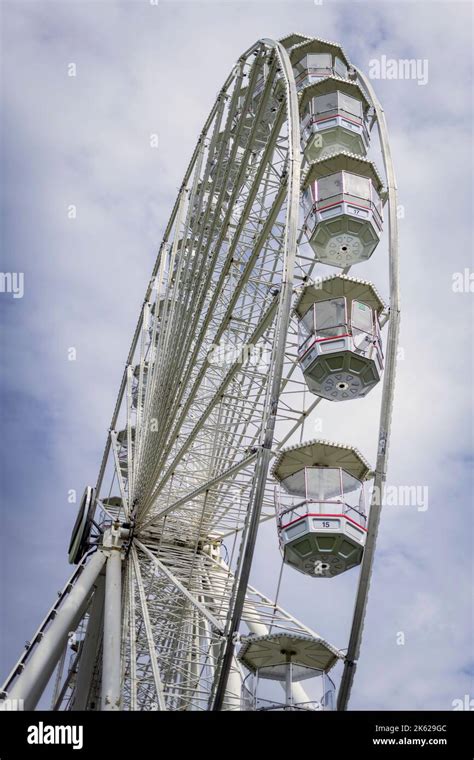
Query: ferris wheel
point(250, 320)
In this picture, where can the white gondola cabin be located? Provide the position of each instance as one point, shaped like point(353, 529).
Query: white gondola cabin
point(334, 118)
point(342, 201)
point(320, 507)
point(339, 343)
point(287, 671)
point(315, 59)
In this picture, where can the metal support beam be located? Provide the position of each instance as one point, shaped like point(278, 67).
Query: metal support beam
point(385, 413)
point(89, 648)
point(148, 631)
point(31, 683)
point(111, 671)
point(233, 692)
point(118, 471)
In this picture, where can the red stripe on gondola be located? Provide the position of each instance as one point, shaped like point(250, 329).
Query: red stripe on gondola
point(316, 514)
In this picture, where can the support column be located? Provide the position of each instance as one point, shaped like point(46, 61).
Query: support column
point(111, 661)
point(232, 697)
point(90, 648)
point(38, 669)
point(233, 691)
point(288, 682)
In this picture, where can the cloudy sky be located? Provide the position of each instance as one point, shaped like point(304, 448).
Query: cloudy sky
point(146, 69)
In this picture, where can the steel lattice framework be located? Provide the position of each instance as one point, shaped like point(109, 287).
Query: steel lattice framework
point(184, 479)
